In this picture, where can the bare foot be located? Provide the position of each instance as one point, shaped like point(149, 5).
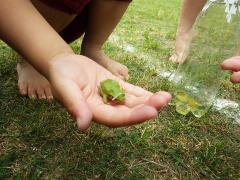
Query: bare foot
point(31, 83)
point(98, 56)
point(182, 43)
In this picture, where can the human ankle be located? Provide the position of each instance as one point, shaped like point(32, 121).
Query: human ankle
point(88, 47)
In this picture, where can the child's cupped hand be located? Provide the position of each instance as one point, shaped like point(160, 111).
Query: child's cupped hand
point(75, 83)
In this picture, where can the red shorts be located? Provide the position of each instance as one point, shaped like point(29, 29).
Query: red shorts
point(70, 6)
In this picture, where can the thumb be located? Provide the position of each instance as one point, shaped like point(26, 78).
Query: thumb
point(71, 96)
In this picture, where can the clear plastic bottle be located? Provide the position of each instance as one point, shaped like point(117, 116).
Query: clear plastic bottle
point(196, 82)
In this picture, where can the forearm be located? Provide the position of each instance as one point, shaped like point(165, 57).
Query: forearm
point(23, 28)
point(190, 11)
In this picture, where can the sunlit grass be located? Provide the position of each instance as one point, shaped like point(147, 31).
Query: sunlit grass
point(39, 139)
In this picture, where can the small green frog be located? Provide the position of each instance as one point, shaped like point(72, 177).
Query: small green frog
point(111, 90)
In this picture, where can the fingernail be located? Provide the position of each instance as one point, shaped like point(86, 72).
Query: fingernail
point(167, 95)
point(81, 125)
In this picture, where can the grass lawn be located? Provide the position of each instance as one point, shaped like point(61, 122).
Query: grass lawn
point(39, 140)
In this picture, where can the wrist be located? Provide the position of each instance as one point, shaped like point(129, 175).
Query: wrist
point(51, 64)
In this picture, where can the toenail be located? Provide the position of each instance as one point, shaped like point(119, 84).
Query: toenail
point(50, 97)
point(23, 92)
point(33, 97)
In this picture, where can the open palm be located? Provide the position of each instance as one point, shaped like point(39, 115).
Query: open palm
point(75, 80)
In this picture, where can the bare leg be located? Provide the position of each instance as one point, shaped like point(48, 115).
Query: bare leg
point(102, 19)
point(190, 11)
point(31, 82)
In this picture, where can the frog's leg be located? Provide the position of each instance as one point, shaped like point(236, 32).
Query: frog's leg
point(105, 99)
point(116, 97)
point(104, 96)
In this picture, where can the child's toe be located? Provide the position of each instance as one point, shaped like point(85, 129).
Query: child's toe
point(23, 89)
point(48, 93)
point(31, 92)
point(41, 93)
